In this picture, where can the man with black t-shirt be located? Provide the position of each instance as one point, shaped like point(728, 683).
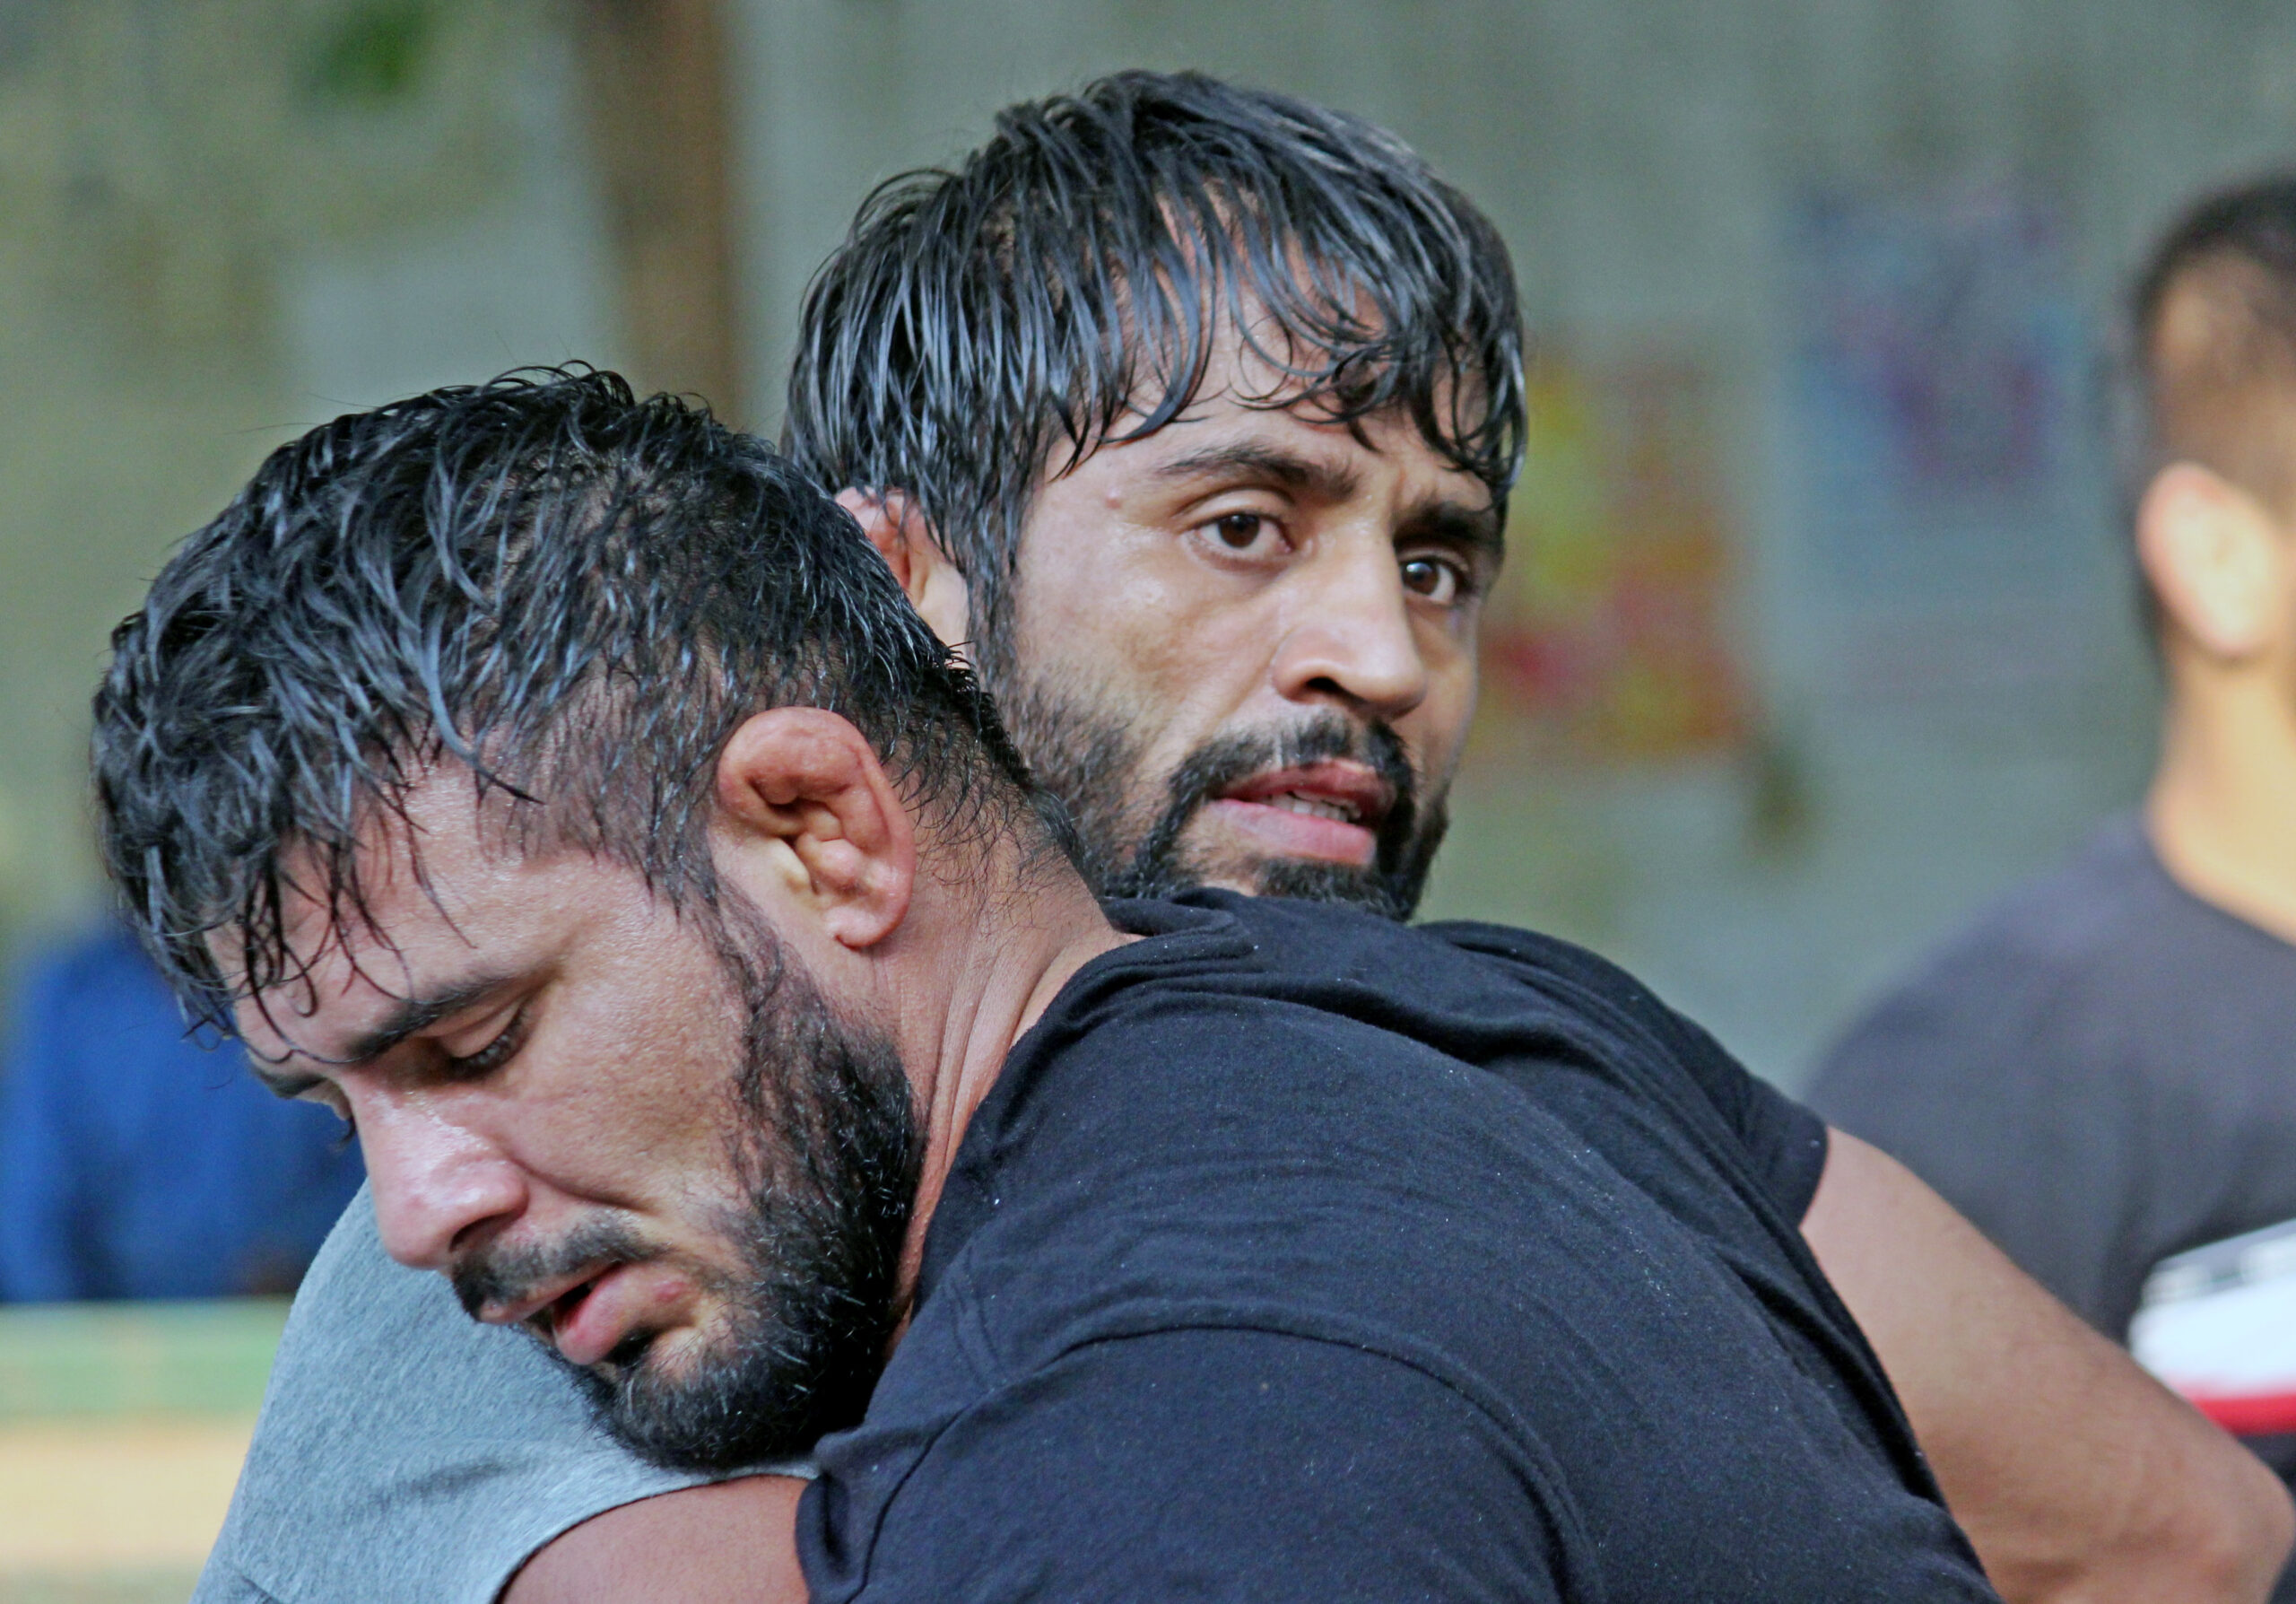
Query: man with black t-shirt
point(714, 1003)
point(1217, 551)
point(1211, 1305)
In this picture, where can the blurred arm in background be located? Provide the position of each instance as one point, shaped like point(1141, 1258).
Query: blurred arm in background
point(2076, 1476)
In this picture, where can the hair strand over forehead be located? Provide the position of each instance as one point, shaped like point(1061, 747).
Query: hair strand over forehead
point(983, 327)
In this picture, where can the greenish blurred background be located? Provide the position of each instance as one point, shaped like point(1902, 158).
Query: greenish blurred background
point(1770, 725)
point(121, 1429)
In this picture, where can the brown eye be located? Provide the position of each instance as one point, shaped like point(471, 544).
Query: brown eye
point(1239, 531)
point(1433, 578)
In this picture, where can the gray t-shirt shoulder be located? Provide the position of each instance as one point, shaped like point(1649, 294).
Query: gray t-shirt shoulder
point(404, 1452)
point(2100, 1073)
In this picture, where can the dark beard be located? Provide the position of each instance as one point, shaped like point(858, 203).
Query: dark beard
point(826, 1146)
point(1125, 848)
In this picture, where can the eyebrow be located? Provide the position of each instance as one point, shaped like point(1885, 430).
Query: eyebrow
point(407, 1016)
point(411, 1015)
point(1476, 531)
point(1323, 480)
point(289, 1087)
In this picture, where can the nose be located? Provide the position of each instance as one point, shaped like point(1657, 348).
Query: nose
point(1351, 639)
point(433, 1181)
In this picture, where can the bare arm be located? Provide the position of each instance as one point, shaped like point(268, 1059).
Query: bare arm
point(2078, 1478)
point(730, 1540)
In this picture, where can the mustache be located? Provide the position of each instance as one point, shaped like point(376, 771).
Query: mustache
point(503, 1275)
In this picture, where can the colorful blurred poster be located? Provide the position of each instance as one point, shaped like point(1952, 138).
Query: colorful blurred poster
point(1938, 387)
point(1606, 636)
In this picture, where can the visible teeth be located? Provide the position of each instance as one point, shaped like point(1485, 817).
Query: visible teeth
point(1321, 808)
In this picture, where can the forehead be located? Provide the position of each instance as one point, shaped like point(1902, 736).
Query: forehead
point(436, 886)
point(1250, 382)
point(1232, 422)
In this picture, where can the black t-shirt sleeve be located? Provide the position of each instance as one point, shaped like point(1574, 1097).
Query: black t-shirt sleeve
point(1785, 1143)
point(1214, 1464)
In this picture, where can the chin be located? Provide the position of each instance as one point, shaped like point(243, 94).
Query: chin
point(1348, 887)
point(1363, 886)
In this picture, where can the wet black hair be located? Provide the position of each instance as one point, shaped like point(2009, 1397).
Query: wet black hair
point(984, 327)
point(578, 594)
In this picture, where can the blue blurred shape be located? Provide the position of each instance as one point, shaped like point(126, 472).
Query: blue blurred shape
point(137, 1163)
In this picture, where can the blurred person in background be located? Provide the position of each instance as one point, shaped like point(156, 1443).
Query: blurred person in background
point(2100, 1074)
point(1230, 612)
point(137, 1162)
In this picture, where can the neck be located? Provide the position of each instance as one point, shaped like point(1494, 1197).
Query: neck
point(998, 956)
point(2219, 809)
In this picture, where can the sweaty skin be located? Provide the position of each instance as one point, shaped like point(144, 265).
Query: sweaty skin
point(1247, 565)
point(1246, 569)
point(531, 1043)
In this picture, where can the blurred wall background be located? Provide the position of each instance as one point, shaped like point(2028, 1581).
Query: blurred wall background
point(1817, 629)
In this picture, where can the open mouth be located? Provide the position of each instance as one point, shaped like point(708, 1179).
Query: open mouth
point(1330, 811)
point(1315, 807)
point(577, 1314)
point(613, 1319)
point(561, 1311)
point(542, 1308)
point(589, 1322)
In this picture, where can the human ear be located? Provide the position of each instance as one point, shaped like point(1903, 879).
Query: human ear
point(2217, 559)
point(907, 542)
point(802, 795)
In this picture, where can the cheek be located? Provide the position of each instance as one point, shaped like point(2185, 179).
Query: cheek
point(1436, 730)
point(1147, 637)
point(639, 1103)
point(1115, 609)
